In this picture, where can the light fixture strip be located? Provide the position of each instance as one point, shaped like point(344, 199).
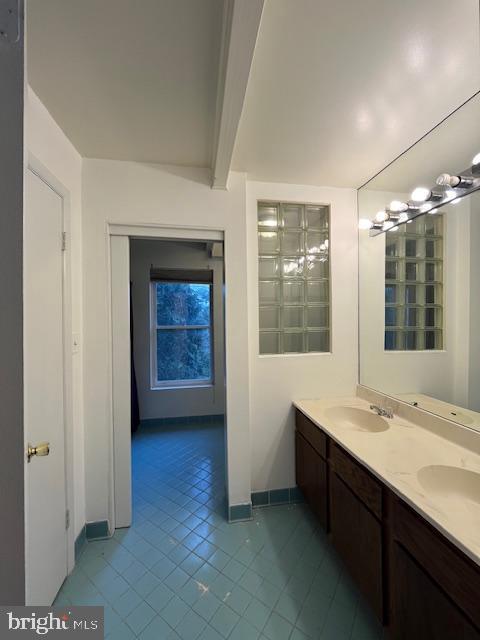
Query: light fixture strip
point(448, 189)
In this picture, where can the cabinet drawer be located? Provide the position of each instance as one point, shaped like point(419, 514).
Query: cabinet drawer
point(311, 433)
point(451, 570)
point(360, 481)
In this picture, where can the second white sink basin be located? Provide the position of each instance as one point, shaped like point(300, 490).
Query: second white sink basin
point(357, 419)
point(451, 482)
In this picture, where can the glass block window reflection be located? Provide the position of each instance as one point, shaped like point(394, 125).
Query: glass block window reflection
point(414, 285)
point(294, 277)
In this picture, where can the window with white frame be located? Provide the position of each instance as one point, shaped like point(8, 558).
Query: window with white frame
point(293, 277)
point(414, 285)
point(181, 329)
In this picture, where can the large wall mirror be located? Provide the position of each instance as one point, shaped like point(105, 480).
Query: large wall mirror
point(419, 284)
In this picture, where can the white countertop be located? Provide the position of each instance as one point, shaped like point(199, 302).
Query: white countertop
point(396, 455)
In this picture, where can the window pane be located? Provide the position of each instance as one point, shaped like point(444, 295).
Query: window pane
point(411, 340)
point(411, 294)
point(391, 270)
point(318, 341)
point(269, 317)
point(390, 316)
point(292, 215)
point(268, 216)
point(293, 317)
point(391, 293)
point(179, 303)
point(293, 342)
point(411, 316)
point(390, 340)
point(269, 292)
point(317, 218)
point(268, 242)
point(268, 268)
point(411, 271)
point(269, 342)
point(183, 354)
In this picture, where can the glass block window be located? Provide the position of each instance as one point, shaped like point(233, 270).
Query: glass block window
point(414, 285)
point(294, 277)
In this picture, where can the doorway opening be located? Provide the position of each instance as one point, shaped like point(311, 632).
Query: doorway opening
point(168, 371)
point(177, 383)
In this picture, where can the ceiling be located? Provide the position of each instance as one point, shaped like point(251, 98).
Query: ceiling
point(129, 79)
point(435, 153)
point(338, 89)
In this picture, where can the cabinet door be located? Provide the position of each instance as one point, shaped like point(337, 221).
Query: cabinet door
point(357, 536)
point(311, 473)
point(420, 608)
point(300, 468)
point(317, 481)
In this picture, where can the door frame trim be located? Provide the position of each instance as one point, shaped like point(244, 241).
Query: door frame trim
point(117, 477)
point(43, 173)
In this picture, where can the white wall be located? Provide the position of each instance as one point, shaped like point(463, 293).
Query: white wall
point(47, 142)
point(276, 380)
point(134, 193)
point(181, 401)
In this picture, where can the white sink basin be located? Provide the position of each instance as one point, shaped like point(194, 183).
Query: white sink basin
point(357, 419)
point(451, 482)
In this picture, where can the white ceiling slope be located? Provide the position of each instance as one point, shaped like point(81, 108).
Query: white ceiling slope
point(129, 79)
point(340, 88)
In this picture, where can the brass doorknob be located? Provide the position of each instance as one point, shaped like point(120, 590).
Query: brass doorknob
point(42, 449)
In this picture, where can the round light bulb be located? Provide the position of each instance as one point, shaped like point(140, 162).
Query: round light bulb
point(381, 216)
point(476, 159)
point(398, 206)
point(365, 223)
point(421, 194)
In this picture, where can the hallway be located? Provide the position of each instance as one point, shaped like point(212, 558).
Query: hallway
point(182, 572)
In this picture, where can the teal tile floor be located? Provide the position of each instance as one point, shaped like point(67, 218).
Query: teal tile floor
point(182, 572)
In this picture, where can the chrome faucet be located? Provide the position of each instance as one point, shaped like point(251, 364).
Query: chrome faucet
point(380, 411)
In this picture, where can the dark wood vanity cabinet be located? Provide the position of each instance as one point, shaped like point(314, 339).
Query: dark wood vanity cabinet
point(418, 583)
point(311, 467)
point(435, 588)
point(355, 524)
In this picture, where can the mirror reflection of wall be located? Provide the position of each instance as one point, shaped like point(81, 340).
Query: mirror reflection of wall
point(419, 285)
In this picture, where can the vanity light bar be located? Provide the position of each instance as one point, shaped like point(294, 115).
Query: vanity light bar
point(449, 189)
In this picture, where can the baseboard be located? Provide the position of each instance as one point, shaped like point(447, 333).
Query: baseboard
point(97, 530)
point(291, 495)
point(80, 542)
point(156, 422)
point(240, 512)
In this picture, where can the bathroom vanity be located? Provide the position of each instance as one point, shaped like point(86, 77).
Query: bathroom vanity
point(377, 488)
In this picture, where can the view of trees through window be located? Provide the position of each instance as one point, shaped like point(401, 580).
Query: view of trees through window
point(183, 332)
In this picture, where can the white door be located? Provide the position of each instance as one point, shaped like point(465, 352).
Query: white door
point(46, 536)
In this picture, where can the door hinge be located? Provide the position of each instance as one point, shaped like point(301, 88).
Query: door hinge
point(64, 240)
point(67, 519)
